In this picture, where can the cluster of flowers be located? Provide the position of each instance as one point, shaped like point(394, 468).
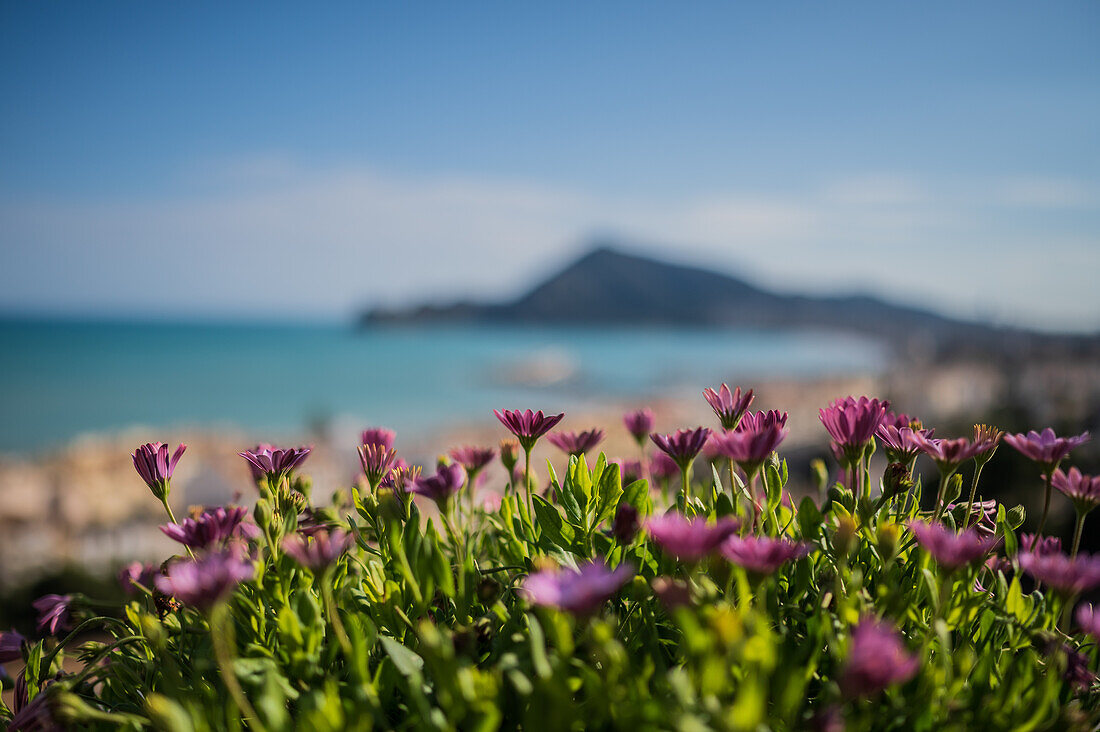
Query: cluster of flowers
point(587, 542)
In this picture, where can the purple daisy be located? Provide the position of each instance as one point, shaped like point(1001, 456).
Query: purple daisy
point(54, 612)
point(948, 454)
point(155, 466)
point(11, 646)
point(1082, 489)
point(689, 539)
point(211, 527)
point(951, 550)
point(639, 423)
point(576, 443)
point(376, 461)
point(750, 445)
point(852, 423)
point(1045, 448)
point(448, 479)
point(682, 445)
point(1065, 575)
point(527, 426)
point(473, 459)
point(377, 436)
point(762, 555)
point(757, 421)
point(202, 582)
point(662, 467)
point(729, 406)
point(275, 463)
point(318, 550)
point(136, 573)
point(580, 591)
point(877, 659)
point(1088, 620)
point(900, 443)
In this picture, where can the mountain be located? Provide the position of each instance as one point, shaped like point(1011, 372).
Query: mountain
point(608, 286)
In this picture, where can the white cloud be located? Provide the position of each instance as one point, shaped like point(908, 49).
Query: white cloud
point(270, 236)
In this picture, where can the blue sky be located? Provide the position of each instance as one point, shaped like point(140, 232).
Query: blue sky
point(302, 160)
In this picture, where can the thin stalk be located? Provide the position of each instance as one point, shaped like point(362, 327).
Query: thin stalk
point(733, 492)
point(1046, 504)
point(1077, 533)
point(93, 664)
point(221, 632)
point(940, 505)
point(685, 483)
point(973, 491)
point(527, 482)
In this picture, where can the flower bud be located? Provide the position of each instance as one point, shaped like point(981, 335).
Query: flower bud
point(845, 534)
point(895, 480)
point(509, 452)
point(887, 538)
point(625, 526)
point(819, 473)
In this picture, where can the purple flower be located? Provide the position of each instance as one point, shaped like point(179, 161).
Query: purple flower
point(401, 478)
point(899, 420)
point(690, 539)
point(983, 516)
point(988, 439)
point(441, 486)
point(1083, 490)
point(900, 443)
point(729, 406)
point(662, 467)
point(629, 470)
point(579, 591)
point(948, 454)
point(1087, 618)
point(153, 463)
point(1047, 449)
point(852, 423)
point(527, 426)
point(318, 550)
point(54, 612)
point(377, 436)
point(625, 525)
point(762, 555)
point(209, 528)
point(136, 572)
point(639, 424)
point(473, 459)
point(1077, 672)
point(757, 421)
point(877, 658)
point(204, 581)
point(750, 445)
point(35, 715)
point(376, 460)
point(576, 443)
point(1065, 575)
point(273, 462)
point(11, 646)
point(951, 550)
point(1040, 544)
point(682, 445)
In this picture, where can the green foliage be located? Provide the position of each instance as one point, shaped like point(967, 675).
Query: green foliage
point(422, 624)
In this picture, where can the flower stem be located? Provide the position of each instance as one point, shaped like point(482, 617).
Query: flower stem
point(221, 632)
point(1077, 533)
point(973, 491)
point(940, 504)
point(685, 483)
point(527, 482)
point(334, 616)
point(1046, 505)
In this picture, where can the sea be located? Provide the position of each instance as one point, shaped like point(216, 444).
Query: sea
point(62, 379)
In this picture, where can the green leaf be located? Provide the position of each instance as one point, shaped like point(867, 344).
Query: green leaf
point(609, 490)
point(567, 499)
point(407, 663)
point(549, 521)
point(809, 519)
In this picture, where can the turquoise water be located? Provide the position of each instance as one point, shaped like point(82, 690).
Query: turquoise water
point(61, 379)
